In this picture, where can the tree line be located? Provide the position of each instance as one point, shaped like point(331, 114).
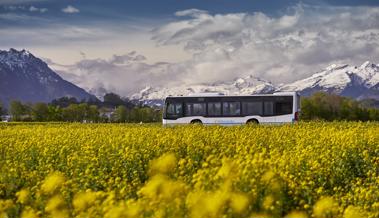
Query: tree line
point(68, 109)
point(329, 107)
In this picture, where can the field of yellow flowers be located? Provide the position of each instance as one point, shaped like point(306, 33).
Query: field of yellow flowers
point(299, 170)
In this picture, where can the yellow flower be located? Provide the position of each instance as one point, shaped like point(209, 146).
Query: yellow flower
point(239, 202)
point(268, 202)
point(53, 182)
point(325, 207)
point(23, 196)
point(54, 203)
point(164, 164)
point(29, 213)
point(353, 212)
point(296, 214)
point(83, 200)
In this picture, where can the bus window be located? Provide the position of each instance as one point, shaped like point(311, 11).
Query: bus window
point(174, 110)
point(195, 109)
point(170, 109)
point(178, 109)
point(268, 108)
point(252, 108)
point(214, 109)
point(231, 108)
point(282, 108)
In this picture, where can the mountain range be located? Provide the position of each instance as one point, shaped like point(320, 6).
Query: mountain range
point(359, 82)
point(27, 78)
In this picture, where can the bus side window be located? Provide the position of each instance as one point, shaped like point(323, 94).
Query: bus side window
point(252, 108)
point(231, 108)
point(283, 108)
point(214, 108)
point(268, 108)
point(178, 109)
point(195, 109)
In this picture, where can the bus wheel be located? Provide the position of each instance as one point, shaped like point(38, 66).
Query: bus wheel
point(252, 122)
point(196, 122)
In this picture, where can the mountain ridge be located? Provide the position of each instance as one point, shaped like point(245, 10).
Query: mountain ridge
point(358, 82)
point(346, 80)
point(27, 78)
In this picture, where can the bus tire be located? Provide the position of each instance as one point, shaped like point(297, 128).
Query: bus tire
point(197, 122)
point(252, 122)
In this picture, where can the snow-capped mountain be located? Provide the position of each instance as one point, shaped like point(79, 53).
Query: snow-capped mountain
point(357, 82)
point(240, 86)
point(27, 78)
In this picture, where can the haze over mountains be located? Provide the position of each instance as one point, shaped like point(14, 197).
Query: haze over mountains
point(27, 78)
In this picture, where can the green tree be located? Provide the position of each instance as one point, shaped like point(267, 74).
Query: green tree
point(73, 113)
point(54, 113)
point(40, 112)
point(93, 113)
point(17, 110)
point(373, 114)
point(333, 107)
point(113, 100)
point(64, 101)
point(120, 114)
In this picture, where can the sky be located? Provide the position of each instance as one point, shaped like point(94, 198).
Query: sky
point(123, 46)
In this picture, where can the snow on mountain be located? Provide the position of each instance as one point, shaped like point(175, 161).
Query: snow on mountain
point(357, 82)
point(14, 58)
point(240, 86)
point(27, 78)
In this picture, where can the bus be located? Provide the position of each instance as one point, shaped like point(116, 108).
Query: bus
point(214, 108)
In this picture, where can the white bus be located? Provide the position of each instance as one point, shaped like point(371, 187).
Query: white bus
point(210, 108)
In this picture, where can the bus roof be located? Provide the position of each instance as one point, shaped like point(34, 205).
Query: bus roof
point(213, 94)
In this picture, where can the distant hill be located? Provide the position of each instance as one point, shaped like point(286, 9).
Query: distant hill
point(28, 79)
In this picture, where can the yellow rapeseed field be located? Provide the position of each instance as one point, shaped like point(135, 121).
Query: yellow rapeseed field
point(300, 170)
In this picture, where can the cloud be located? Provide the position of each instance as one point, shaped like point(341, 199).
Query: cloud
point(123, 74)
point(35, 9)
point(280, 49)
point(15, 2)
point(191, 12)
point(127, 58)
point(46, 35)
point(14, 8)
point(70, 10)
point(220, 47)
point(15, 17)
point(32, 8)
